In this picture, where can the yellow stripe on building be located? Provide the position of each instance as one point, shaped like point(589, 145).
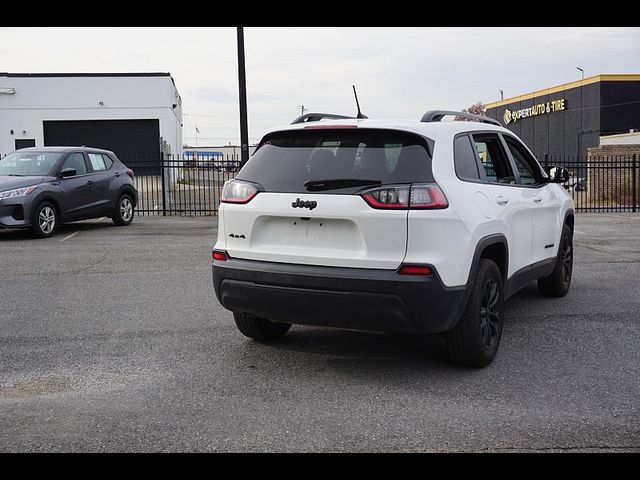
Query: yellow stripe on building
point(620, 77)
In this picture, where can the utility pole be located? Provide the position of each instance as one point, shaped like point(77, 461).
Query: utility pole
point(302, 109)
point(242, 83)
point(581, 109)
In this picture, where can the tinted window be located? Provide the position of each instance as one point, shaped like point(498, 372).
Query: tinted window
point(75, 161)
point(464, 159)
point(98, 163)
point(494, 158)
point(285, 161)
point(525, 164)
point(28, 163)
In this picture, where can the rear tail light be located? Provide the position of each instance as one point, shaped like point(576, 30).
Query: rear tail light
point(237, 191)
point(427, 196)
point(393, 197)
point(130, 173)
point(419, 196)
point(415, 270)
point(219, 255)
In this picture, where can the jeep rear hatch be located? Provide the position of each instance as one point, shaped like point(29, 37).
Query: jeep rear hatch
point(331, 196)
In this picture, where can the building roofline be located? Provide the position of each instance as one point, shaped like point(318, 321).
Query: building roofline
point(132, 74)
point(620, 135)
point(615, 77)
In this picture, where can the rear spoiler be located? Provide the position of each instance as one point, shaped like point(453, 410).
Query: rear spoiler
point(315, 117)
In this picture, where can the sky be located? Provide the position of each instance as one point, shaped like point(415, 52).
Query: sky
point(399, 72)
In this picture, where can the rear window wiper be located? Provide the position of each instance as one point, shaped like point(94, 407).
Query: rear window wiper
point(334, 183)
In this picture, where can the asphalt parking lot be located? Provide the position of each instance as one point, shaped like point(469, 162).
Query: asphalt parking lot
point(111, 339)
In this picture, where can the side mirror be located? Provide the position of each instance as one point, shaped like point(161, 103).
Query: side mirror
point(558, 174)
point(68, 172)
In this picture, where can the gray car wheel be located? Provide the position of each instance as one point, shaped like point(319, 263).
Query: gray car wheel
point(123, 214)
point(45, 220)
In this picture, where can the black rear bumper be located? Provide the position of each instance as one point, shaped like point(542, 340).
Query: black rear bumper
point(363, 299)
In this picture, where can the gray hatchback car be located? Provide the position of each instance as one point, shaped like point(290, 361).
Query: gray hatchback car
point(41, 188)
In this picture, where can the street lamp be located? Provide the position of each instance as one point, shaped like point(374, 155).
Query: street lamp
point(242, 84)
point(581, 109)
point(501, 94)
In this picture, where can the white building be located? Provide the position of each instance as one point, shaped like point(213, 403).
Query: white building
point(136, 115)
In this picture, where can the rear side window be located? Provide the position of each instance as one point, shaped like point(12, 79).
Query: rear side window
point(494, 159)
point(285, 161)
point(107, 161)
point(464, 159)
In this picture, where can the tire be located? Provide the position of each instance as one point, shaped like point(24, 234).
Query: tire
point(557, 284)
point(44, 221)
point(260, 329)
point(123, 214)
point(475, 339)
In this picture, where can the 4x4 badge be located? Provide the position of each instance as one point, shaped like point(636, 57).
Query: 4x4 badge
point(310, 204)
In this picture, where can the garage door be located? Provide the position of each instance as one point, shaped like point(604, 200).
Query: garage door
point(135, 142)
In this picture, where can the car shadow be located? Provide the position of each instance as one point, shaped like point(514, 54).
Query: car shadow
point(21, 234)
point(372, 353)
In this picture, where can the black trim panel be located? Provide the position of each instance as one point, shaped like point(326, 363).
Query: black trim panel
point(526, 275)
point(496, 238)
point(364, 299)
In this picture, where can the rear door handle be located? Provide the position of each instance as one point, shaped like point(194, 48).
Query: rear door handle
point(500, 200)
point(537, 198)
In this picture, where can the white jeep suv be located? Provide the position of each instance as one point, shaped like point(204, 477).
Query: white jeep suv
point(391, 225)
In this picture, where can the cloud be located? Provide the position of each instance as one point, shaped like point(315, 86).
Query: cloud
point(399, 72)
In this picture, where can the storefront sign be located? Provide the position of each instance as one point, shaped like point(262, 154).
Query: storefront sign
point(511, 116)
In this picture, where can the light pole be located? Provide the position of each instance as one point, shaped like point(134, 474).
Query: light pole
point(242, 83)
point(581, 128)
point(501, 94)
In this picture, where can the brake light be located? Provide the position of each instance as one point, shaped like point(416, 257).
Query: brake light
point(419, 196)
point(130, 173)
point(219, 255)
point(415, 270)
point(236, 191)
point(428, 196)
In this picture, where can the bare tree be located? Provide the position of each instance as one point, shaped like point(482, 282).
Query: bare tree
point(476, 109)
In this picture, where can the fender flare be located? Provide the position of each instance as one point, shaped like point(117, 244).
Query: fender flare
point(128, 189)
point(493, 239)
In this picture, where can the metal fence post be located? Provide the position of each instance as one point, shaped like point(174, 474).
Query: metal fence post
point(634, 184)
point(546, 162)
point(164, 187)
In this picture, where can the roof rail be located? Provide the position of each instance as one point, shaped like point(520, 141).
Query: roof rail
point(436, 116)
point(314, 117)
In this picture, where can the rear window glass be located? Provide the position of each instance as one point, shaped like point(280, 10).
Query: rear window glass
point(285, 161)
